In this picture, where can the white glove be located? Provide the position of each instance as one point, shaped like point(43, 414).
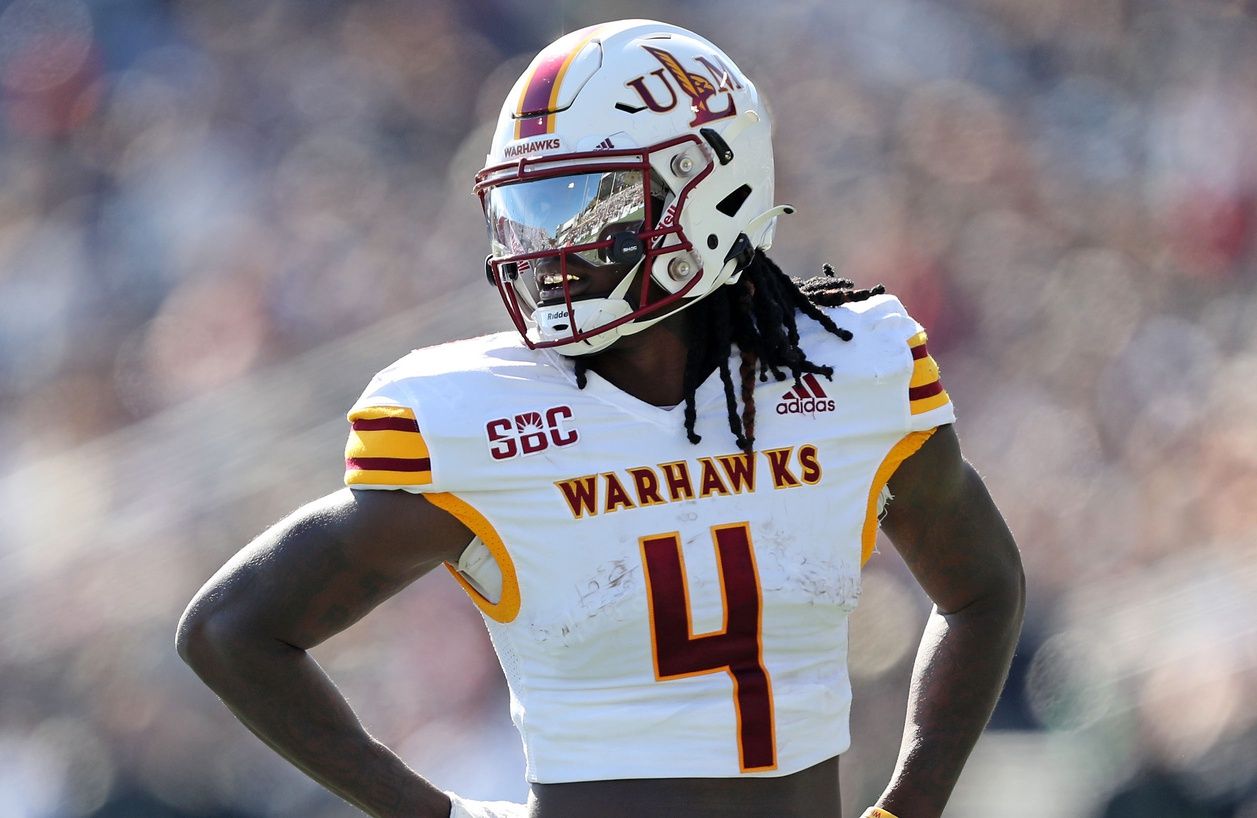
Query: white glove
point(466, 808)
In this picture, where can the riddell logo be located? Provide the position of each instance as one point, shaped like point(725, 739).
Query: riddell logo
point(530, 433)
point(806, 399)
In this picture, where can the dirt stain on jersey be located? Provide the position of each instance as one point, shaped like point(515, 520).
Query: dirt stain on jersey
point(600, 597)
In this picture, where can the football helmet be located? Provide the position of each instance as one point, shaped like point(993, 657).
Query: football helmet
point(630, 175)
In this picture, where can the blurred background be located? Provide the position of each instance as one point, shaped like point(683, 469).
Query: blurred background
point(219, 219)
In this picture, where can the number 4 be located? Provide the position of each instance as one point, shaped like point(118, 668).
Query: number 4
point(736, 648)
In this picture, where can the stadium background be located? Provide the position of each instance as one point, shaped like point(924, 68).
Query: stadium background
point(217, 220)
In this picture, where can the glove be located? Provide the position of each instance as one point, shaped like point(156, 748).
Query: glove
point(466, 808)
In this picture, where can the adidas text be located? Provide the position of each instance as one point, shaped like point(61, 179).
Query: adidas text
point(805, 406)
point(807, 398)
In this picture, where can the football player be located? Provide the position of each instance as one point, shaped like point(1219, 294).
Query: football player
point(660, 490)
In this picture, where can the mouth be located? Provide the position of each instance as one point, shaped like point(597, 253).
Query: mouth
point(550, 286)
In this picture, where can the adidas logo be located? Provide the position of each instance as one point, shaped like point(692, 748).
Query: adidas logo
point(805, 399)
point(605, 145)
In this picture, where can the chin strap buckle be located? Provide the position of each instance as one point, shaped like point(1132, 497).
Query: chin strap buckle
point(720, 144)
point(723, 152)
point(742, 251)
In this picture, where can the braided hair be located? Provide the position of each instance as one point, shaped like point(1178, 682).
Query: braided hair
point(758, 313)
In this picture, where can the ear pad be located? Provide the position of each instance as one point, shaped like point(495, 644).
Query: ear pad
point(626, 248)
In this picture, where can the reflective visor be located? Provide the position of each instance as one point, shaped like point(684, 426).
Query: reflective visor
point(562, 212)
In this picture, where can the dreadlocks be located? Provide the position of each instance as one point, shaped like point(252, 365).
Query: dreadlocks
point(758, 314)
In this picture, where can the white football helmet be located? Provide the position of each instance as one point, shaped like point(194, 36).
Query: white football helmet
point(631, 174)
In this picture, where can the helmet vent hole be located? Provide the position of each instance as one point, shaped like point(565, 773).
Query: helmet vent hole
point(731, 204)
point(712, 241)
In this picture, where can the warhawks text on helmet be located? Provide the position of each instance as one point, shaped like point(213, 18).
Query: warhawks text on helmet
point(535, 146)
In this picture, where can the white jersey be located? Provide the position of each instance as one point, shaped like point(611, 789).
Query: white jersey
point(660, 609)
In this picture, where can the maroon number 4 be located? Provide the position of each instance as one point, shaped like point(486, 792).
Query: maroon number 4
point(736, 648)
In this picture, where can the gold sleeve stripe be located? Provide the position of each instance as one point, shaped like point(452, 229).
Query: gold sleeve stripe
point(385, 444)
point(901, 451)
point(385, 448)
point(925, 390)
point(373, 412)
point(507, 607)
point(924, 371)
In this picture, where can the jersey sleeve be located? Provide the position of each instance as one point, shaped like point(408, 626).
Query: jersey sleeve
point(909, 377)
point(386, 448)
point(929, 405)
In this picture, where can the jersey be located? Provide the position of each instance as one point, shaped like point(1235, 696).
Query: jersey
point(659, 608)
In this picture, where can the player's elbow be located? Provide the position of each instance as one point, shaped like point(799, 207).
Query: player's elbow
point(196, 637)
point(206, 635)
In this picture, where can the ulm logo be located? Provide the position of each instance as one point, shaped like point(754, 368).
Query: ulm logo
point(807, 398)
point(530, 433)
point(702, 90)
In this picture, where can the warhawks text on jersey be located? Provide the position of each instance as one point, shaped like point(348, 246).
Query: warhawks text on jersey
point(689, 601)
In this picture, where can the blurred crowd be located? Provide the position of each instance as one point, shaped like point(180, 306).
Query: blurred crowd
point(195, 198)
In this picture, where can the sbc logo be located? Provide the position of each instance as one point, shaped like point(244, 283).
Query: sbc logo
point(530, 432)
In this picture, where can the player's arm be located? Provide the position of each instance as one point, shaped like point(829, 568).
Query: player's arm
point(953, 538)
point(313, 574)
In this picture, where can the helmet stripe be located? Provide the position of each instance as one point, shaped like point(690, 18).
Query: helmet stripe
point(541, 93)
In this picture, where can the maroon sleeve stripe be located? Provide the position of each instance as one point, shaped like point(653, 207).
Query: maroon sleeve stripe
point(389, 463)
point(926, 391)
point(385, 424)
point(919, 352)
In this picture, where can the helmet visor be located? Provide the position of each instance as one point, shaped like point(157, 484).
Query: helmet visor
point(577, 214)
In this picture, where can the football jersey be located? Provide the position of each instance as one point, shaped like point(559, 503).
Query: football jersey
point(660, 608)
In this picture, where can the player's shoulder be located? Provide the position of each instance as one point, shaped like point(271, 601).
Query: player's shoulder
point(881, 331)
point(491, 354)
point(883, 313)
point(898, 342)
point(464, 369)
point(450, 388)
point(421, 422)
